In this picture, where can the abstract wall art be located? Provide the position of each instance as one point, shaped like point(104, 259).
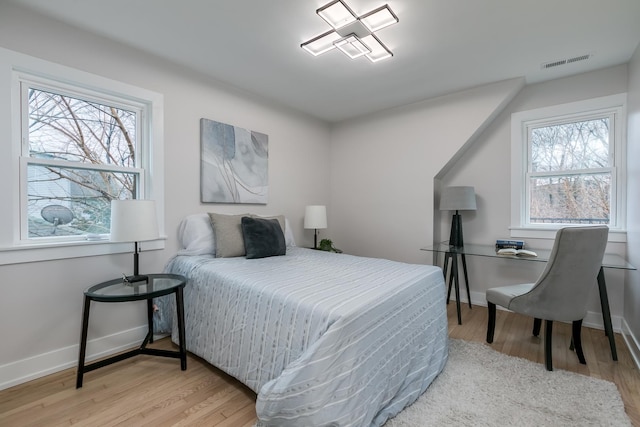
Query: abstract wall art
point(233, 164)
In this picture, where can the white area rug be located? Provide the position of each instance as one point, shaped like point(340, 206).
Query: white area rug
point(482, 387)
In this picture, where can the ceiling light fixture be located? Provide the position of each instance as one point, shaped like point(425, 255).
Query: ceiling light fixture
point(352, 34)
point(379, 18)
point(321, 44)
point(337, 14)
point(378, 50)
point(352, 46)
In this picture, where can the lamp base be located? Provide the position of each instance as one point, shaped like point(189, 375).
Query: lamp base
point(455, 238)
point(134, 279)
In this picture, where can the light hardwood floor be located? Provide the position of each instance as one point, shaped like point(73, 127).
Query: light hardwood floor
point(153, 391)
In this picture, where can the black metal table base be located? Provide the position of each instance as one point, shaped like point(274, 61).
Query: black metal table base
point(454, 280)
point(606, 313)
point(179, 354)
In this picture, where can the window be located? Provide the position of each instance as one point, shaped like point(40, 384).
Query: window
point(73, 142)
point(568, 166)
point(79, 152)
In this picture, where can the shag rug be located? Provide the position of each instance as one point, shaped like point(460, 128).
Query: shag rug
point(482, 387)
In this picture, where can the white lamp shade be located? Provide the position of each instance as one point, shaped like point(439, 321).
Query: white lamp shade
point(458, 199)
point(133, 220)
point(315, 216)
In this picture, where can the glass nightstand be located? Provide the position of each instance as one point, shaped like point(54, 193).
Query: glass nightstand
point(117, 290)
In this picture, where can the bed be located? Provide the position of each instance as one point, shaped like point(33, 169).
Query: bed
point(323, 339)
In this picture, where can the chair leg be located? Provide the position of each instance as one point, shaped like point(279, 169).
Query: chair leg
point(577, 340)
point(491, 326)
point(548, 329)
point(536, 326)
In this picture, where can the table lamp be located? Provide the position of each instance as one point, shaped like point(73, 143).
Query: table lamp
point(457, 199)
point(315, 217)
point(134, 221)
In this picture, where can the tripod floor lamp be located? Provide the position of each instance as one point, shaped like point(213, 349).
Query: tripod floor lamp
point(457, 199)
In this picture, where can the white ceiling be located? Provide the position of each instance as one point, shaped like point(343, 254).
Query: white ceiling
point(439, 46)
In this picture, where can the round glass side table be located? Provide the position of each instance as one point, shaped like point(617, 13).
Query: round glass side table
point(118, 290)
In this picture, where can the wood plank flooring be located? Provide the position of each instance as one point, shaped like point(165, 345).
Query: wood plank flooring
point(153, 391)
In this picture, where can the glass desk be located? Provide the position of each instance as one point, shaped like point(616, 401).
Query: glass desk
point(451, 254)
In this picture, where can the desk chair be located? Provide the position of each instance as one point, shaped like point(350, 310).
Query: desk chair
point(562, 291)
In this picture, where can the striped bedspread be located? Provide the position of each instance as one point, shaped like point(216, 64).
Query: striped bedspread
point(324, 339)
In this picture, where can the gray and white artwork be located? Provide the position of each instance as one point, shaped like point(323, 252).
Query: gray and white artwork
point(234, 164)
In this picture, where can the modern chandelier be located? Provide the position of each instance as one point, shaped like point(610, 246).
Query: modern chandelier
point(352, 34)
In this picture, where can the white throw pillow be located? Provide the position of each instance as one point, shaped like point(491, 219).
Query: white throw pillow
point(289, 240)
point(195, 235)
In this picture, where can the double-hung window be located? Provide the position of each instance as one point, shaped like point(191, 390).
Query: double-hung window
point(80, 150)
point(73, 141)
point(568, 167)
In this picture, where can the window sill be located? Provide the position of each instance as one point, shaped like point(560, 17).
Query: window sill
point(47, 251)
point(618, 236)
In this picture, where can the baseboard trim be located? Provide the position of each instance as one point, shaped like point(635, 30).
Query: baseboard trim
point(632, 342)
point(592, 320)
point(28, 369)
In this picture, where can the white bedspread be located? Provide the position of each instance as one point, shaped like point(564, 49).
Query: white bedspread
point(324, 339)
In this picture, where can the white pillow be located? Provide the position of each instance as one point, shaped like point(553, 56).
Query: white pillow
point(195, 235)
point(289, 240)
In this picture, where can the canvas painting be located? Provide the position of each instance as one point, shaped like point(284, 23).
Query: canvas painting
point(234, 164)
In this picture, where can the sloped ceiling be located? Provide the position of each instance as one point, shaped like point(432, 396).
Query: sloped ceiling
point(439, 46)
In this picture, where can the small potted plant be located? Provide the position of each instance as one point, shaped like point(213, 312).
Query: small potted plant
point(327, 245)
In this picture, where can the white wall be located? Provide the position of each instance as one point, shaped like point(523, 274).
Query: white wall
point(631, 325)
point(486, 166)
point(40, 308)
point(383, 168)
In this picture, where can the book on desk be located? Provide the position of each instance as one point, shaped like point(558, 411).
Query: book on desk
point(516, 252)
point(509, 243)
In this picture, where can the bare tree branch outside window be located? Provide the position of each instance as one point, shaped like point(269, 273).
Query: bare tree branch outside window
point(570, 173)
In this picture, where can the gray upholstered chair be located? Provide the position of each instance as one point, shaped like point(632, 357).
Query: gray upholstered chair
point(562, 291)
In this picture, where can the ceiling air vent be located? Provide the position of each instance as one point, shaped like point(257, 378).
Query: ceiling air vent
point(565, 61)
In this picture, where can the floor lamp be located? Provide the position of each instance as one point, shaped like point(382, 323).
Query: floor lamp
point(315, 217)
point(457, 199)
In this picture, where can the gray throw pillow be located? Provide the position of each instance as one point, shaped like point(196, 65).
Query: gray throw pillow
point(263, 237)
point(228, 235)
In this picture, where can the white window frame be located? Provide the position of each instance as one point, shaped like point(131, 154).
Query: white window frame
point(16, 68)
point(613, 106)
